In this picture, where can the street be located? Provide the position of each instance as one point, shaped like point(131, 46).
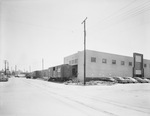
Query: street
point(32, 97)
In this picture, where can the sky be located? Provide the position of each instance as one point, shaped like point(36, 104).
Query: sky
point(32, 30)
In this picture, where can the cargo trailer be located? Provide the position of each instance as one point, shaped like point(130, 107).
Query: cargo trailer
point(61, 72)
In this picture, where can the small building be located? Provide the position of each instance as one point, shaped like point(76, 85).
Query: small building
point(100, 64)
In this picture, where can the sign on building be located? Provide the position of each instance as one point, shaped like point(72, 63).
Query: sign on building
point(138, 70)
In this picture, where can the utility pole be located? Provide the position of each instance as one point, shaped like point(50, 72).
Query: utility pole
point(7, 68)
point(42, 67)
point(5, 65)
point(16, 70)
point(30, 69)
point(84, 22)
point(42, 63)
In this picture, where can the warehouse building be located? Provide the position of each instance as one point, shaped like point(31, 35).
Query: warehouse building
point(100, 64)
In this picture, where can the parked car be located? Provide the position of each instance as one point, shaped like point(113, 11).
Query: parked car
point(120, 80)
point(140, 80)
point(147, 80)
point(132, 79)
point(128, 80)
point(3, 78)
point(110, 79)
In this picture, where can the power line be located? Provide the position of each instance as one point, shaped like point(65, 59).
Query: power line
point(114, 13)
point(135, 10)
point(124, 14)
point(106, 18)
point(127, 16)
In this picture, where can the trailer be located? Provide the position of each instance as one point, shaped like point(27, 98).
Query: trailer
point(60, 73)
point(37, 74)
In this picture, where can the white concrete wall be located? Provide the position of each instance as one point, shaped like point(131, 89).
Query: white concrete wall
point(99, 69)
point(80, 57)
point(81, 66)
point(71, 58)
point(147, 68)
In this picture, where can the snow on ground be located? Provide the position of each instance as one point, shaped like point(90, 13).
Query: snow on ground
point(31, 97)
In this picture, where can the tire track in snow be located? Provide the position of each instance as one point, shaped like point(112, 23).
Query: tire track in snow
point(73, 100)
point(97, 100)
point(114, 103)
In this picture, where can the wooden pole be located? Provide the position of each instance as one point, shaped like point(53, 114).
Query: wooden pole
point(84, 22)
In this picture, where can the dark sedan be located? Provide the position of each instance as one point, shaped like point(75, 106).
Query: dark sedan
point(3, 78)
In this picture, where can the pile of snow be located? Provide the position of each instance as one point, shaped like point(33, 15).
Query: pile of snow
point(90, 83)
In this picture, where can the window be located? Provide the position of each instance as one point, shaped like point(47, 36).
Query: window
point(59, 69)
point(76, 60)
point(72, 61)
point(113, 61)
point(122, 63)
point(93, 59)
point(145, 65)
point(130, 63)
point(104, 60)
point(69, 62)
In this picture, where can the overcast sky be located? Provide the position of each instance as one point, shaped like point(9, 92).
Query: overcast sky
point(51, 29)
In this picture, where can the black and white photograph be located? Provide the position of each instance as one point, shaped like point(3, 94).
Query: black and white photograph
point(74, 57)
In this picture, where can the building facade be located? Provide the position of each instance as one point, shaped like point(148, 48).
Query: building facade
point(100, 64)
